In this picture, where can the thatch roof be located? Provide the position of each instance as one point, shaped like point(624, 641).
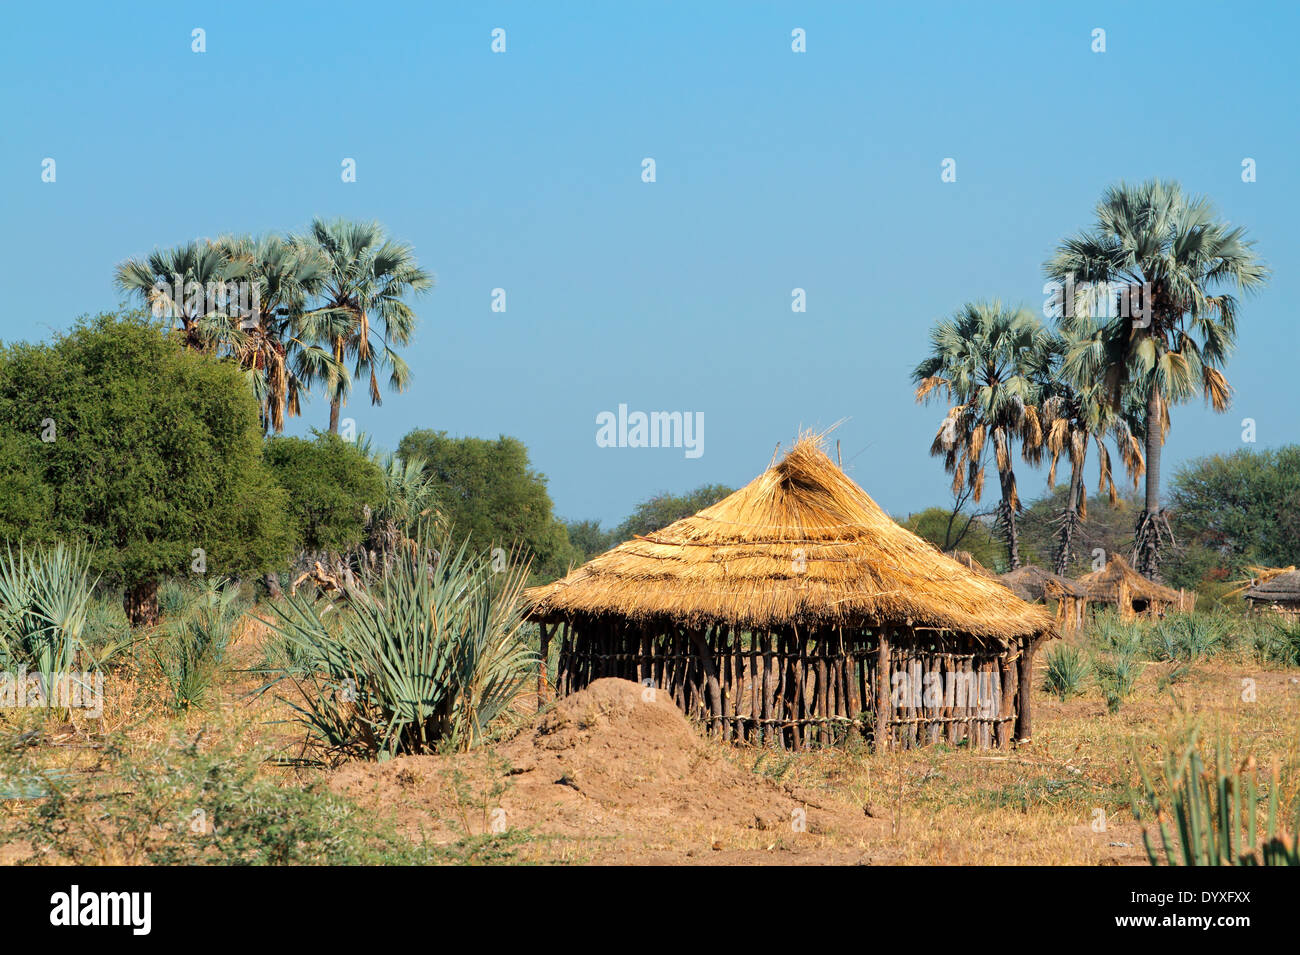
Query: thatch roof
point(1281, 588)
point(800, 544)
point(967, 560)
point(1035, 584)
point(1105, 584)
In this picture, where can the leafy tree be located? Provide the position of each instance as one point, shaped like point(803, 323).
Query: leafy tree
point(1231, 510)
point(488, 491)
point(957, 530)
point(987, 361)
point(25, 500)
point(331, 485)
point(662, 509)
point(1151, 242)
point(149, 451)
point(368, 277)
point(1109, 528)
point(589, 539)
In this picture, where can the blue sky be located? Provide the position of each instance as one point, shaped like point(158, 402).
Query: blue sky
point(775, 170)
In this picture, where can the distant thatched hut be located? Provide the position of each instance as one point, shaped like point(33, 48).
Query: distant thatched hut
point(1279, 593)
point(796, 612)
point(1036, 585)
point(1132, 594)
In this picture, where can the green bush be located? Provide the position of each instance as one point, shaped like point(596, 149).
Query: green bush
point(149, 452)
point(188, 805)
point(1276, 641)
point(489, 491)
point(431, 658)
point(1113, 635)
point(330, 484)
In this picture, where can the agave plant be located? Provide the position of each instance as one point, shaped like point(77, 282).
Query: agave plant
point(1188, 637)
point(191, 649)
point(1116, 675)
point(1067, 669)
point(44, 601)
point(1214, 810)
point(429, 659)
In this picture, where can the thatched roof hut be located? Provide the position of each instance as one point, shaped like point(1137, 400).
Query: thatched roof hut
point(1279, 593)
point(781, 611)
point(1134, 595)
point(1037, 585)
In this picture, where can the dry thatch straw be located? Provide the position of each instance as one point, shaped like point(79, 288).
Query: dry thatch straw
point(1276, 585)
point(1118, 580)
point(1261, 577)
point(1036, 585)
point(799, 545)
point(967, 560)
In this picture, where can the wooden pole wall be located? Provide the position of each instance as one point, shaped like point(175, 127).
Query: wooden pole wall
point(797, 689)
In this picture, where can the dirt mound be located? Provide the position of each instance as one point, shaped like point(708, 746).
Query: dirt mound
point(611, 765)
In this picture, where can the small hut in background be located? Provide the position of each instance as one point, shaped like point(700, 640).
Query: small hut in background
point(795, 613)
point(1132, 594)
point(1036, 585)
point(1277, 592)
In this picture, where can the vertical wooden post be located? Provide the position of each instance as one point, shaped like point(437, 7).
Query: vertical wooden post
point(1005, 699)
point(883, 702)
point(1025, 677)
point(770, 680)
point(543, 691)
point(711, 677)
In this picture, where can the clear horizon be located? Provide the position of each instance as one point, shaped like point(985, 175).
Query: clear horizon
point(775, 171)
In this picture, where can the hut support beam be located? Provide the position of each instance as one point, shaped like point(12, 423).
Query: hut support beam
point(710, 676)
point(1024, 676)
point(882, 690)
point(543, 691)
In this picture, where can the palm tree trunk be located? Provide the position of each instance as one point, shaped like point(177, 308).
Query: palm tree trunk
point(1070, 519)
point(1146, 538)
point(336, 403)
point(1007, 516)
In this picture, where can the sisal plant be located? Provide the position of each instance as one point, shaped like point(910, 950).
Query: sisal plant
point(796, 613)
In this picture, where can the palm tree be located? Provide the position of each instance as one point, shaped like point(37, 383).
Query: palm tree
point(1152, 242)
point(244, 298)
point(987, 360)
point(181, 284)
point(1073, 416)
point(368, 277)
point(276, 342)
